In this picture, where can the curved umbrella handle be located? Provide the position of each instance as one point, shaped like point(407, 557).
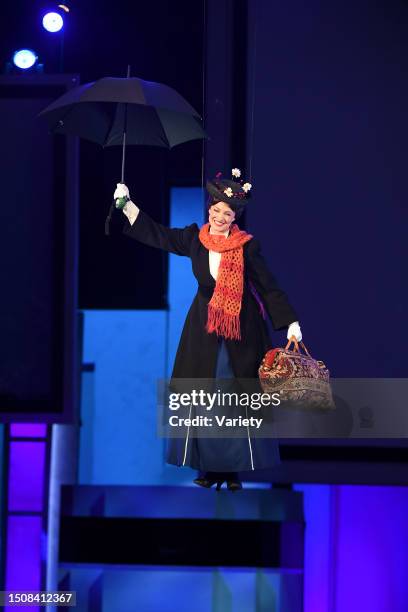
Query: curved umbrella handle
point(109, 217)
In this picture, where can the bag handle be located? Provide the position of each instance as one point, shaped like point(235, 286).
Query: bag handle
point(292, 340)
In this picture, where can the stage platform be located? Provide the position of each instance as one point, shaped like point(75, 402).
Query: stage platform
point(168, 549)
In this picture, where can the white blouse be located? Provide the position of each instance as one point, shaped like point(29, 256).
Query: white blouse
point(131, 211)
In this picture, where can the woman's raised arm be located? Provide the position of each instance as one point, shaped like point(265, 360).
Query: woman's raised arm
point(140, 226)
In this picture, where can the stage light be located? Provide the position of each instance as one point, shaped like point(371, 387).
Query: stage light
point(53, 22)
point(24, 59)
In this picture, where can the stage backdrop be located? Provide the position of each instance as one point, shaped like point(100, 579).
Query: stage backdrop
point(38, 251)
point(327, 138)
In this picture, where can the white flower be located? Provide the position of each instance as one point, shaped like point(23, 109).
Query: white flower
point(228, 192)
point(236, 172)
point(246, 187)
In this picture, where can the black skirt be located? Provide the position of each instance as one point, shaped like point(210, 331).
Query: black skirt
point(218, 454)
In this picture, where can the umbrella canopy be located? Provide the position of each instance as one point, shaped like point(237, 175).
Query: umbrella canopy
point(115, 111)
point(149, 113)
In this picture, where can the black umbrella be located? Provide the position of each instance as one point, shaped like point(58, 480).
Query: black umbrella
point(119, 111)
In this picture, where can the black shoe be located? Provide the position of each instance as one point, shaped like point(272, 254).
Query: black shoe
point(209, 479)
point(234, 485)
point(233, 482)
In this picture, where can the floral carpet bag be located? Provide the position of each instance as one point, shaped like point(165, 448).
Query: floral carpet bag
point(301, 381)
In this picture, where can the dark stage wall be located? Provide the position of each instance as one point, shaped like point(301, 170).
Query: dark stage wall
point(161, 41)
point(38, 254)
point(329, 156)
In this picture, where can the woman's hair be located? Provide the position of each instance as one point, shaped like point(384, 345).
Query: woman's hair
point(234, 206)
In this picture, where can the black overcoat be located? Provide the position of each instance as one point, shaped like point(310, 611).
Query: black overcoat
point(196, 355)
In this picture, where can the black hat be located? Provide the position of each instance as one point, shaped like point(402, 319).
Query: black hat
point(229, 191)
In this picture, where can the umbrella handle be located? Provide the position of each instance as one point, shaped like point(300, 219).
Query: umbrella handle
point(108, 218)
point(124, 151)
point(124, 135)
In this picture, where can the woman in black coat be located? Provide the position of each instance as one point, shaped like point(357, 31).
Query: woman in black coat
point(225, 334)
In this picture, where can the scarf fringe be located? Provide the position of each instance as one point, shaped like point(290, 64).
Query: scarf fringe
point(223, 324)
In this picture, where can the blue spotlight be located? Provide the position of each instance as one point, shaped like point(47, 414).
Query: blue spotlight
point(53, 22)
point(24, 59)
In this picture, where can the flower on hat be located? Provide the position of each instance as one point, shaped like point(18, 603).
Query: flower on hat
point(228, 192)
point(236, 172)
point(246, 187)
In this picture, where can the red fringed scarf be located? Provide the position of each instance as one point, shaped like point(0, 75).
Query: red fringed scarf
point(225, 304)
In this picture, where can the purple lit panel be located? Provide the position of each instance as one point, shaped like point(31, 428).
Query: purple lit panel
point(372, 551)
point(23, 570)
point(26, 476)
point(28, 430)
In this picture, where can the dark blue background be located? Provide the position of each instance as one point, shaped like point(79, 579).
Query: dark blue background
point(329, 168)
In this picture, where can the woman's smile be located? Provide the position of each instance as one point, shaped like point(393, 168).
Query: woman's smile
point(220, 217)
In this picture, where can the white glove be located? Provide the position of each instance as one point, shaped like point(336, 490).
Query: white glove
point(294, 330)
point(121, 191)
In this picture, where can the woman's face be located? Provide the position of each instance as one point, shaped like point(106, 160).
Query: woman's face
point(220, 217)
